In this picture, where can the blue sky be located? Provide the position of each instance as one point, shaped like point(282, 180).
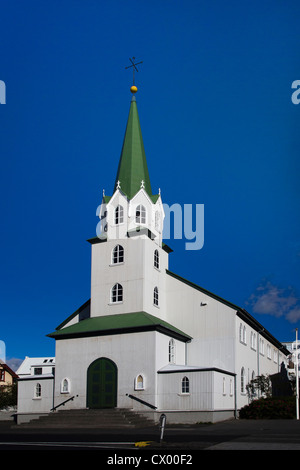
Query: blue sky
point(219, 129)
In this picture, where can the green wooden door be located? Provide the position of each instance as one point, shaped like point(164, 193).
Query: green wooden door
point(102, 384)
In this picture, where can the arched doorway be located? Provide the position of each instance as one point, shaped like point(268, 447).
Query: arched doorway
point(102, 381)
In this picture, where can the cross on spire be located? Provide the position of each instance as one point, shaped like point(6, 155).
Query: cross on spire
point(134, 66)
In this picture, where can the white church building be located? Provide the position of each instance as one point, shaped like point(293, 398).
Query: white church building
point(148, 339)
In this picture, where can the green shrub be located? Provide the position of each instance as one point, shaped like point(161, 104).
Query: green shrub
point(270, 408)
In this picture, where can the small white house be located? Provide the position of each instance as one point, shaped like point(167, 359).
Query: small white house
point(148, 339)
point(36, 366)
point(35, 387)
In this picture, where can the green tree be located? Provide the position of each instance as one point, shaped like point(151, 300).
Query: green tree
point(8, 396)
point(260, 386)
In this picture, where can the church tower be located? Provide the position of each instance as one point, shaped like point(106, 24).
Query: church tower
point(128, 254)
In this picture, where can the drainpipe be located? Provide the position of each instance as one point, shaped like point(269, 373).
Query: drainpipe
point(186, 352)
point(53, 389)
point(235, 397)
point(258, 352)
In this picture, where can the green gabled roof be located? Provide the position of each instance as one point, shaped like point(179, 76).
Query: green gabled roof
point(133, 165)
point(118, 324)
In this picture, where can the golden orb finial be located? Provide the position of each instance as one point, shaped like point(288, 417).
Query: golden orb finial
point(133, 89)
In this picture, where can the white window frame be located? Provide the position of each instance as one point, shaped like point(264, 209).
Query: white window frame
point(224, 386)
point(155, 297)
point(172, 351)
point(243, 380)
point(156, 259)
point(117, 255)
point(37, 395)
point(140, 215)
point(116, 292)
point(119, 215)
point(185, 386)
point(139, 383)
point(67, 388)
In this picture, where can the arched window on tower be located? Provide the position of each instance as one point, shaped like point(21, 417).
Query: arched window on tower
point(116, 294)
point(140, 214)
point(119, 215)
point(117, 255)
point(156, 259)
point(155, 296)
point(172, 351)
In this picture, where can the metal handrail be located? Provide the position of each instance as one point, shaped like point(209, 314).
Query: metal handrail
point(141, 401)
point(63, 403)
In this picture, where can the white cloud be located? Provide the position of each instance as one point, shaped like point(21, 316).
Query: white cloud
point(272, 300)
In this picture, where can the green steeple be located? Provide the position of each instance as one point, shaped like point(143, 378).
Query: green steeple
point(133, 168)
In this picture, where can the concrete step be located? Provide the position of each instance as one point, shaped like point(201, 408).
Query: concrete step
point(88, 418)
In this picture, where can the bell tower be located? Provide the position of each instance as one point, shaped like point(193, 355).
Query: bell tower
point(128, 256)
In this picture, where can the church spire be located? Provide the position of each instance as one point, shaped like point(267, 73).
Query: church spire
point(132, 171)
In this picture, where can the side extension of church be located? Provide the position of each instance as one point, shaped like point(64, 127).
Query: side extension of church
point(148, 339)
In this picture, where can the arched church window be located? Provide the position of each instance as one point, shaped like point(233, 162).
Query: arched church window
point(224, 386)
point(139, 383)
point(65, 386)
point(241, 333)
point(119, 215)
point(185, 385)
point(243, 380)
point(117, 255)
point(38, 391)
point(156, 259)
point(172, 351)
point(116, 293)
point(140, 214)
point(155, 296)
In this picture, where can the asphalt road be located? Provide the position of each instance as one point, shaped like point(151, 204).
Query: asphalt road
point(248, 435)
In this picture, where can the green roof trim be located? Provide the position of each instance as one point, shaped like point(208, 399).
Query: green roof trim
point(133, 165)
point(95, 240)
point(119, 324)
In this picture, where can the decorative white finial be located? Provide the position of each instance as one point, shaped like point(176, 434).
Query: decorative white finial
point(142, 184)
point(159, 191)
point(103, 192)
point(118, 185)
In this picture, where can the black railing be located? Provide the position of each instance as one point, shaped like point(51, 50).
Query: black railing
point(141, 401)
point(63, 403)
